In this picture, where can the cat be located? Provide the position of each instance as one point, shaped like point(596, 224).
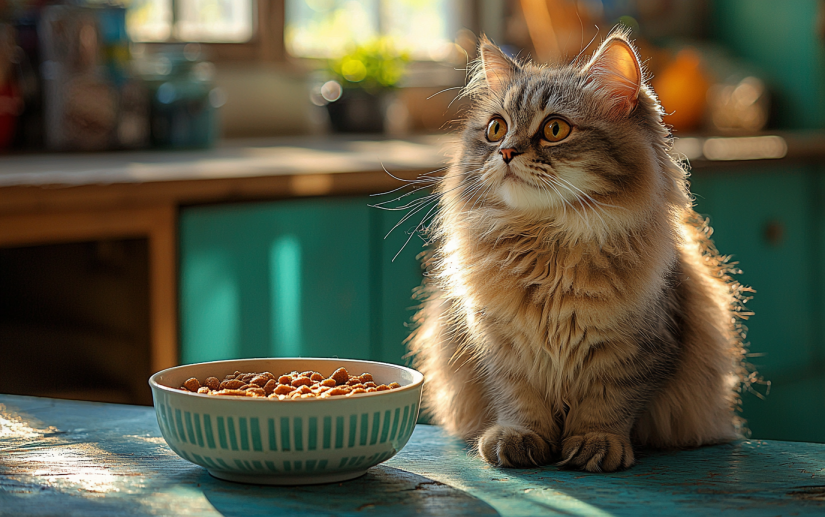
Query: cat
point(573, 305)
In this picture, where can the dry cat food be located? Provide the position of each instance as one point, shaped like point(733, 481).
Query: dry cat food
point(291, 385)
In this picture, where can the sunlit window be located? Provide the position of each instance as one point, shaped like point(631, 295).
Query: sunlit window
point(327, 28)
point(211, 21)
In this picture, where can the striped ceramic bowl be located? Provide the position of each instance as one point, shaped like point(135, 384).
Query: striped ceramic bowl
point(289, 442)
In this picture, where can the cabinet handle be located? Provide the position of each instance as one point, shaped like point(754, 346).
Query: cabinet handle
point(774, 232)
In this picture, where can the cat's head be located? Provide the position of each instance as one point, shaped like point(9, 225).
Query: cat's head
point(582, 143)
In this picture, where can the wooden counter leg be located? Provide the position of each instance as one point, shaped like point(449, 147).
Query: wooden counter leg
point(163, 288)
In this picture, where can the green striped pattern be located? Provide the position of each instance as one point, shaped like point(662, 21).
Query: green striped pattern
point(215, 437)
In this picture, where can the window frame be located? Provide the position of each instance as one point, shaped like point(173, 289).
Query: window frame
point(265, 45)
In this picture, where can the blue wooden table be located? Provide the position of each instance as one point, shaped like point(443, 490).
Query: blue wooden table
point(62, 457)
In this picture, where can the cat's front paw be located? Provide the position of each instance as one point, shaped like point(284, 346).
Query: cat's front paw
point(597, 452)
point(510, 446)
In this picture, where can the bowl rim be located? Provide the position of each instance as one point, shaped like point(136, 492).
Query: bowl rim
point(418, 379)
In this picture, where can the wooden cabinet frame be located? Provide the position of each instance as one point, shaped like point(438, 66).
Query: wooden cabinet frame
point(155, 223)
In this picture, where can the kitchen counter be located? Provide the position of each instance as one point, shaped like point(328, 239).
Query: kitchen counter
point(74, 197)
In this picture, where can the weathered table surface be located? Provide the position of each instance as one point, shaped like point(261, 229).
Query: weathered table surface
point(80, 458)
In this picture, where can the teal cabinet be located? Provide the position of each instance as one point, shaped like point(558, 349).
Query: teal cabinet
point(769, 221)
point(316, 277)
point(783, 40)
point(310, 277)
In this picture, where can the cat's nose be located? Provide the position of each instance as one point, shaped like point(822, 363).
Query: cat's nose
point(509, 154)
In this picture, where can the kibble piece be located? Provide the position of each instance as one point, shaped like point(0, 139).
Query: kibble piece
point(285, 379)
point(257, 392)
point(259, 380)
point(268, 375)
point(305, 389)
point(338, 391)
point(356, 391)
point(382, 387)
point(302, 381)
point(353, 381)
point(328, 382)
point(192, 384)
point(370, 390)
point(365, 377)
point(316, 377)
point(270, 385)
point(231, 385)
point(308, 396)
point(370, 384)
point(340, 376)
point(212, 383)
point(203, 390)
point(283, 389)
point(393, 385)
point(230, 393)
point(307, 373)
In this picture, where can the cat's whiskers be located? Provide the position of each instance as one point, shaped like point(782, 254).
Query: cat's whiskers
point(415, 231)
point(593, 200)
point(427, 182)
point(549, 177)
point(542, 185)
point(469, 192)
point(585, 203)
point(564, 202)
point(585, 199)
point(416, 206)
point(596, 205)
point(483, 195)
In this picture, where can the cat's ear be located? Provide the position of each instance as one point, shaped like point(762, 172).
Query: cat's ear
point(498, 68)
point(616, 70)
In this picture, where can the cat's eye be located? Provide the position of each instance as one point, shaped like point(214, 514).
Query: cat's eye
point(496, 129)
point(556, 130)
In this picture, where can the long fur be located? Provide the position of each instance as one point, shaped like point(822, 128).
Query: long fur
point(573, 305)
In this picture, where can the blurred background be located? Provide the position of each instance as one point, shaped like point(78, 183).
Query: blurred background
point(190, 180)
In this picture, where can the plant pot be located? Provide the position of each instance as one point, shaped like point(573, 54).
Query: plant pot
point(358, 111)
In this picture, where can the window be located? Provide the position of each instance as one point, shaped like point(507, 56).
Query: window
point(209, 21)
point(425, 29)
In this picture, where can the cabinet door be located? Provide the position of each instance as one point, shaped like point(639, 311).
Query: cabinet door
point(400, 273)
point(283, 278)
point(764, 219)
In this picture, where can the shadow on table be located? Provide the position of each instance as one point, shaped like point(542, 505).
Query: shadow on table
point(758, 478)
point(383, 490)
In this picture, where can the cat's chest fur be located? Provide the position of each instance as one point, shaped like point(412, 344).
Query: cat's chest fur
point(540, 299)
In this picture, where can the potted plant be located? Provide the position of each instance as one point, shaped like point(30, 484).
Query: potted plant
point(361, 86)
